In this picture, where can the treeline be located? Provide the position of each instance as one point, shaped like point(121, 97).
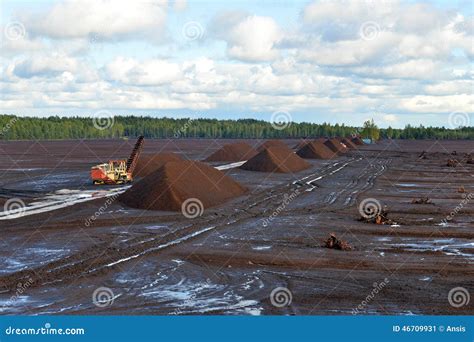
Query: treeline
point(55, 127)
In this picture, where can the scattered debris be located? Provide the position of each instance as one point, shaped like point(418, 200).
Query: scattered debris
point(452, 163)
point(422, 200)
point(334, 243)
point(461, 189)
point(454, 153)
point(423, 155)
point(378, 217)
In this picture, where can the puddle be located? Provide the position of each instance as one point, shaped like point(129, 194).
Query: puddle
point(261, 248)
point(385, 238)
point(189, 297)
point(33, 256)
point(59, 199)
point(446, 246)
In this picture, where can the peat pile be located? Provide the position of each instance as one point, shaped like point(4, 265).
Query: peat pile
point(357, 141)
point(274, 143)
point(233, 153)
point(315, 150)
point(335, 146)
point(274, 159)
point(348, 143)
point(148, 163)
point(178, 181)
point(301, 144)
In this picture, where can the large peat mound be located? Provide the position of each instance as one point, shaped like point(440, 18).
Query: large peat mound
point(348, 143)
point(233, 153)
point(357, 141)
point(301, 144)
point(148, 163)
point(274, 159)
point(176, 182)
point(273, 143)
point(334, 145)
point(315, 150)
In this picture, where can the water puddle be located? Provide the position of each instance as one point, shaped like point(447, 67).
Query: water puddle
point(453, 247)
point(261, 248)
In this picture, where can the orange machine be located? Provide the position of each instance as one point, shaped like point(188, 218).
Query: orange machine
point(117, 171)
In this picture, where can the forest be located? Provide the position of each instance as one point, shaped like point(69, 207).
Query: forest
point(54, 127)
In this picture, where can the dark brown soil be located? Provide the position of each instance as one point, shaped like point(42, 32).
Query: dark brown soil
point(148, 163)
point(334, 145)
point(273, 143)
point(301, 144)
point(175, 182)
point(315, 150)
point(348, 143)
point(233, 153)
point(357, 141)
point(274, 159)
point(227, 261)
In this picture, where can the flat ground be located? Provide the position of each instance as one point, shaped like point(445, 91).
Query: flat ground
point(230, 259)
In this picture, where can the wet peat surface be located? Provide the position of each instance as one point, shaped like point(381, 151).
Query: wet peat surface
point(261, 253)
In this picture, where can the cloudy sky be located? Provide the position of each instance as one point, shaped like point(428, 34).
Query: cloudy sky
point(334, 61)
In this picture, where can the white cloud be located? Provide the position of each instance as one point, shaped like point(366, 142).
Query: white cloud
point(417, 62)
point(142, 73)
point(250, 38)
point(438, 104)
point(45, 66)
point(109, 19)
point(180, 5)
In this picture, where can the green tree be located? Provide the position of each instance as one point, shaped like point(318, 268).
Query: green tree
point(370, 130)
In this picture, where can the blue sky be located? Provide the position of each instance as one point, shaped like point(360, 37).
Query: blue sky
point(399, 62)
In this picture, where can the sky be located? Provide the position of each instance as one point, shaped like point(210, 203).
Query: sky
point(398, 62)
